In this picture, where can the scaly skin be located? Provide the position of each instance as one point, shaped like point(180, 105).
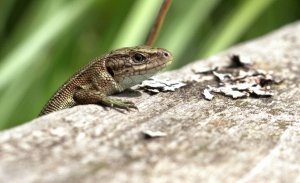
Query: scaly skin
point(107, 75)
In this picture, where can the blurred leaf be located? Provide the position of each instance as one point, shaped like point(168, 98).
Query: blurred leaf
point(5, 10)
point(137, 24)
point(12, 71)
point(22, 57)
point(186, 28)
point(9, 102)
point(233, 26)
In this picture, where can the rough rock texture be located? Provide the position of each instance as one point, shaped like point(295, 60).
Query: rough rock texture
point(223, 140)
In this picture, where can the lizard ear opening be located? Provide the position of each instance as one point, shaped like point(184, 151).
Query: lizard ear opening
point(110, 71)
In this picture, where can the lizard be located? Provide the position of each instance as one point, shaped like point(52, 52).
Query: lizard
point(107, 75)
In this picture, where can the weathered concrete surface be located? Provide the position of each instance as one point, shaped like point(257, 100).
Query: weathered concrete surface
point(224, 140)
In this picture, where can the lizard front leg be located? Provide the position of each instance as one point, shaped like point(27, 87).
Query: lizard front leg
point(90, 96)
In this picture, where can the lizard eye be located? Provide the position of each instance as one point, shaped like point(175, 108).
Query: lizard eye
point(138, 57)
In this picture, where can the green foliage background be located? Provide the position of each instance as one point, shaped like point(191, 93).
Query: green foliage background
point(43, 42)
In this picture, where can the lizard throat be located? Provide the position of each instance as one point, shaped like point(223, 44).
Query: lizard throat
point(132, 79)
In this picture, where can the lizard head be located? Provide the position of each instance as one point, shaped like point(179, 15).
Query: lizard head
point(132, 65)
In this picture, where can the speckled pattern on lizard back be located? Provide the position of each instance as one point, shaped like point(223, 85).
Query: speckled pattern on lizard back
point(109, 74)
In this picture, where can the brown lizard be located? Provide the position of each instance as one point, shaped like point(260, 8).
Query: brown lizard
point(107, 75)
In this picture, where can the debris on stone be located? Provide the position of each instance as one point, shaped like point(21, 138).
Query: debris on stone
point(207, 95)
point(240, 80)
point(196, 78)
point(229, 90)
point(222, 76)
point(149, 134)
point(259, 91)
point(240, 61)
point(206, 70)
point(154, 85)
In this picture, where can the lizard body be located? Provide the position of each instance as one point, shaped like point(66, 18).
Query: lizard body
point(107, 75)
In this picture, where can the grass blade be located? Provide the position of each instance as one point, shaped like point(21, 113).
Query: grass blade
point(137, 23)
point(20, 59)
point(232, 27)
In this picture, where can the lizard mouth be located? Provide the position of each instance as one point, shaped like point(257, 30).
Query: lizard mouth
point(166, 56)
point(149, 69)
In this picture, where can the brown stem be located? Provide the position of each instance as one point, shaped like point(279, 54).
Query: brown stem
point(158, 22)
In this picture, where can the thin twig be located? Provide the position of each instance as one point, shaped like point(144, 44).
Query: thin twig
point(158, 22)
